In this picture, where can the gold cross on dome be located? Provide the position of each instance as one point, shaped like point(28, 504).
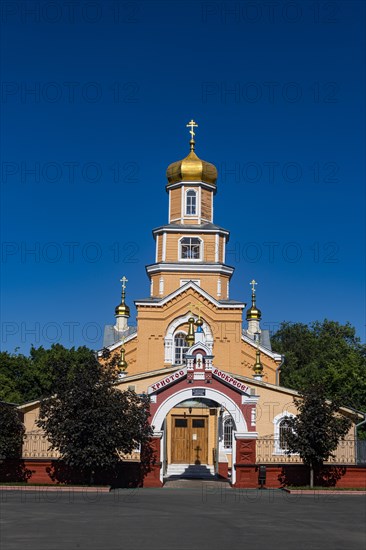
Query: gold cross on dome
point(192, 124)
point(253, 283)
point(124, 281)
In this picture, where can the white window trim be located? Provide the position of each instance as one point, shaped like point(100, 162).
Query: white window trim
point(224, 420)
point(178, 331)
point(276, 422)
point(186, 215)
point(193, 260)
point(174, 327)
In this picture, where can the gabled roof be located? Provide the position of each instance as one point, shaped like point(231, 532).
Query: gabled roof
point(264, 345)
point(222, 304)
point(112, 336)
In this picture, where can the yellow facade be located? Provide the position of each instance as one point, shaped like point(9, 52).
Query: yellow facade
point(189, 285)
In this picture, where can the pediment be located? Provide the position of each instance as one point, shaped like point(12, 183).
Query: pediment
point(181, 291)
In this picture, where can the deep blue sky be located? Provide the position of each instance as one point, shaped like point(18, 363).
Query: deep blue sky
point(278, 95)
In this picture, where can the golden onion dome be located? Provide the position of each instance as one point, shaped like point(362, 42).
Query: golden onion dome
point(254, 313)
point(122, 309)
point(191, 168)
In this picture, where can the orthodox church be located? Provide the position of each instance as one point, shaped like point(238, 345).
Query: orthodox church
point(202, 356)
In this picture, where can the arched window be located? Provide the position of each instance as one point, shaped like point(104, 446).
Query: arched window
point(180, 348)
point(283, 428)
point(191, 203)
point(228, 433)
point(190, 248)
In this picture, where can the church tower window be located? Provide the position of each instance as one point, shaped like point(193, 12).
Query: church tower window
point(180, 348)
point(191, 203)
point(190, 248)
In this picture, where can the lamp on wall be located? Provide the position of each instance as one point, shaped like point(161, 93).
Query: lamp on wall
point(190, 410)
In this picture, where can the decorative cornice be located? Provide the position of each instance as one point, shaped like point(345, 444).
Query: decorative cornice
point(184, 288)
point(197, 183)
point(189, 229)
point(183, 267)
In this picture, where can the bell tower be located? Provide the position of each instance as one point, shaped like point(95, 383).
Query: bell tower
point(191, 246)
point(191, 187)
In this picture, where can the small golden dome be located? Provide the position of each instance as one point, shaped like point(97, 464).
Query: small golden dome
point(258, 367)
point(122, 363)
point(254, 313)
point(191, 168)
point(122, 309)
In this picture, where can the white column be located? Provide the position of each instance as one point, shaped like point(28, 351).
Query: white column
point(218, 288)
point(168, 349)
point(157, 248)
point(164, 247)
point(161, 286)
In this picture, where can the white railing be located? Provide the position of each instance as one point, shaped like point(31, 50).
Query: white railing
point(36, 445)
point(268, 451)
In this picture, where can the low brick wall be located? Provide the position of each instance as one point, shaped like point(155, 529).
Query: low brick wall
point(131, 474)
point(283, 475)
point(128, 474)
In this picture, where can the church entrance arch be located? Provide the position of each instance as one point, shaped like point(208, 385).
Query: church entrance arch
point(187, 437)
point(215, 395)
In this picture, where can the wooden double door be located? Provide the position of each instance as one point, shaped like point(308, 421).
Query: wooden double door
point(189, 439)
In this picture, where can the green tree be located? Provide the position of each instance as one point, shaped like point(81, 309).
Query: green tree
point(13, 368)
point(89, 421)
point(11, 431)
point(325, 352)
point(316, 431)
point(29, 378)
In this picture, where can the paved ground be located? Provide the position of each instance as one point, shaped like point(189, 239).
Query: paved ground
point(209, 517)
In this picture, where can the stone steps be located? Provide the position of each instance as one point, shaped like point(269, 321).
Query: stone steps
point(190, 471)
